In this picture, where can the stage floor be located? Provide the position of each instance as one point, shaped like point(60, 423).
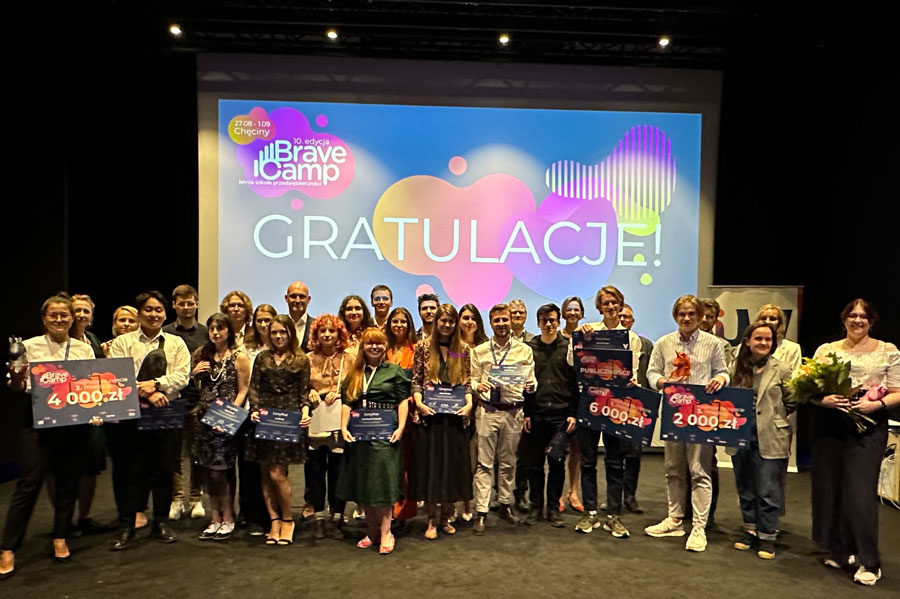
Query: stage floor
point(524, 561)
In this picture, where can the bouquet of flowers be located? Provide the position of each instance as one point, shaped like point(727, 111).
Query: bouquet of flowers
point(830, 376)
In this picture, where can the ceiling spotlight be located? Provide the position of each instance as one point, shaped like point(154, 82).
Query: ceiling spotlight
point(664, 41)
point(503, 39)
point(331, 34)
point(175, 30)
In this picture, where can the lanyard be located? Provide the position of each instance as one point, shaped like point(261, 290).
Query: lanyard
point(368, 381)
point(68, 345)
point(503, 357)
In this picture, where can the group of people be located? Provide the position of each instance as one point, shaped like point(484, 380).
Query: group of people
point(453, 465)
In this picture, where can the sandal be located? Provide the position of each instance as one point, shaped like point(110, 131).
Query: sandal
point(448, 528)
point(387, 549)
point(272, 536)
point(286, 538)
point(430, 531)
point(364, 543)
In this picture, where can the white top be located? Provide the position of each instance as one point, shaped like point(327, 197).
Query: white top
point(45, 349)
point(136, 345)
point(789, 353)
point(868, 369)
point(704, 350)
point(300, 325)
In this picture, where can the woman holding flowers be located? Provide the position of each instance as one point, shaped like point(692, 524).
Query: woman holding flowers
point(758, 468)
point(847, 457)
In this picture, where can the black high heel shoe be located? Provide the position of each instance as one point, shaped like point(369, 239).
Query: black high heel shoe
point(58, 558)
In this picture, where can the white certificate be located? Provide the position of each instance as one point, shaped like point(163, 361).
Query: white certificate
point(326, 418)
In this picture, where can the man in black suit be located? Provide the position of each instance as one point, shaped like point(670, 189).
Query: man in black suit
point(297, 298)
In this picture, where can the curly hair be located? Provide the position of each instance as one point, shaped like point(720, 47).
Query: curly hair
point(328, 320)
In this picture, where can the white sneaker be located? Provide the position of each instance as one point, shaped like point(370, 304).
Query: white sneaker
point(210, 531)
point(866, 577)
point(197, 510)
point(175, 510)
point(666, 528)
point(697, 540)
point(359, 514)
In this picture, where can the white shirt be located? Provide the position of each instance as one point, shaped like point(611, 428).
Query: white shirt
point(704, 350)
point(45, 349)
point(513, 353)
point(789, 353)
point(136, 345)
point(300, 325)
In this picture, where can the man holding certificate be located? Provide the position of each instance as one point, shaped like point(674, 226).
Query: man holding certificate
point(502, 370)
point(687, 356)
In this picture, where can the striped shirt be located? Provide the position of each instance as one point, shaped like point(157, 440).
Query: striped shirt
point(704, 350)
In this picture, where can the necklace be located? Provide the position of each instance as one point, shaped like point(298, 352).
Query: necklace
point(215, 375)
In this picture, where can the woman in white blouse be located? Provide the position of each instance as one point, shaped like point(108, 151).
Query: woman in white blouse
point(60, 450)
point(846, 462)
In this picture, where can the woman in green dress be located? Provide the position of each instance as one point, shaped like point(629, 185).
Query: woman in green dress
point(370, 470)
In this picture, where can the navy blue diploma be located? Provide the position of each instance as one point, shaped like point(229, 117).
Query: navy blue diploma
point(169, 416)
point(372, 424)
point(627, 412)
point(68, 392)
point(691, 415)
point(602, 339)
point(444, 399)
point(278, 425)
point(225, 415)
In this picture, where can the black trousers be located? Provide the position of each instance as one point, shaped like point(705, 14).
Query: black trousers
point(588, 440)
point(534, 445)
point(60, 451)
point(522, 473)
point(142, 464)
point(845, 504)
point(321, 470)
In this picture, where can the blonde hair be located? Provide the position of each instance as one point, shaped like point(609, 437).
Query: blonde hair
point(130, 309)
point(782, 325)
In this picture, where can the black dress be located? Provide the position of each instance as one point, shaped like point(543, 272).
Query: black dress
point(210, 448)
point(283, 387)
point(441, 471)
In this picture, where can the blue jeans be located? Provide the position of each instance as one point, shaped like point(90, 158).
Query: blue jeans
point(760, 487)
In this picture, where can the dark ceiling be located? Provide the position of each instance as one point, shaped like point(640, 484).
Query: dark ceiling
point(703, 33)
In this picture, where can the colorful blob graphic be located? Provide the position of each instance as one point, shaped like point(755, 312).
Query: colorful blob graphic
point(620, 410)
point(548, 245)
point(491, 231)
point(294, 157)
point(246, 128)
point(638, 178)
point(456, 236)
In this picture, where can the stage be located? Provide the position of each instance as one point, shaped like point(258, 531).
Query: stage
point(524, 561)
